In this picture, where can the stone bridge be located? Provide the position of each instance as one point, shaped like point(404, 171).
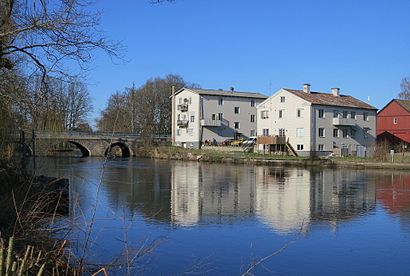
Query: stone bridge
point(90, 144)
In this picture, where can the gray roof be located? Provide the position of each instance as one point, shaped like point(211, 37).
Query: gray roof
point(225, 93)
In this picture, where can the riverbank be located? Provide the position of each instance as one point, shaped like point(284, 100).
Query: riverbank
point(29, 204)
point(239, 157)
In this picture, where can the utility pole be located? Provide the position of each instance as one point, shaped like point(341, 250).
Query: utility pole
point(132, 108)
point(173, 116)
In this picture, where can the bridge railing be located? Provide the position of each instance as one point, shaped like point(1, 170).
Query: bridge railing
point(96, 134)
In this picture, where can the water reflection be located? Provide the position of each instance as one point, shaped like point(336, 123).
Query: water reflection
point(284, 199)
point(207, 192)
point(230, 212)
point(393, 191)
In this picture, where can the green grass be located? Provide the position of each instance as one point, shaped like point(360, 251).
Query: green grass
point(218, 155)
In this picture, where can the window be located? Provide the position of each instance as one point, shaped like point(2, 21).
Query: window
point(335, 132)
point(300, 132)
point(265, 132)
point(220, 116)
point(236, 125)
point(252, 103)
point(236, 110)
point(252, 118)
point(280, 113)
point(345, 114)
point(299, 147)
point(282, 99)
point(282, 132)
point(220, 101)
point(253, 132)
point(192, 119)
point(395, 120)
point(321, 147)
point(190, 100)
point(365, 116)
point(321, 132)
point(335, 114)
point(321, 113)
point(299, 112)
point(344, 133)
point(264, 114)
point(213, 117)
point(352, 133)
point(179, 117)
point(353, 115)
point(178, 132)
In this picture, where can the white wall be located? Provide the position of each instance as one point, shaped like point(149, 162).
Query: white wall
point(289, 121)
point(191, 133)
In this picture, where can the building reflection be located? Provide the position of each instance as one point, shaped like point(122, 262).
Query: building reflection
point(284, 199)
point(207, 192)
point(393, 191)
point(341, 194)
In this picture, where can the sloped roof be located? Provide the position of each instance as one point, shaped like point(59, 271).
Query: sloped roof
point(404, 103)
point(214, 92)
point(320, 98)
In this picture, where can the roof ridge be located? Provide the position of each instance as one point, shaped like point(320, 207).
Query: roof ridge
point(222, 90)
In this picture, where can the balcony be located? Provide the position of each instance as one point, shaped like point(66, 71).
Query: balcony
point(271, 140)
point(210, 122)
point(183, 107)
point(182, 123)
point(344, 122)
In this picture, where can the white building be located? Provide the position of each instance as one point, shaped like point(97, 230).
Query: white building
point(317, 123)
point(203, 114)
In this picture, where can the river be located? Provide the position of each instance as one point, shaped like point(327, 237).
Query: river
point(217, 219)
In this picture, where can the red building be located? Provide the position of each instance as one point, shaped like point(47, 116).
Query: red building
point(393, 122)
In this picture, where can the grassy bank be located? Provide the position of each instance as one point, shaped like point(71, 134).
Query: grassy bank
point(239, 157)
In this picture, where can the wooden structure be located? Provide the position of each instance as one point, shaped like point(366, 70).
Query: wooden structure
point(393, 122)
point(275, 144)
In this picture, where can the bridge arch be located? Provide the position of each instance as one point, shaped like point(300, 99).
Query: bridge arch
point(26, 149)
point(125, 149)
point(84, 151)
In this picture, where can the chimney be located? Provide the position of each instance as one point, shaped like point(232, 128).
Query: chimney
point(336, 92)
point(232, 89)
point(306, 88)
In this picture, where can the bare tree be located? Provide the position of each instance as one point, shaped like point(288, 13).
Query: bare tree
point(49, 33)
point(404, 89)
point(78, 104)
point(145, 110)
point(115, 114)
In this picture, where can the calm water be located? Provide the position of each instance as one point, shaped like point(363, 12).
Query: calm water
point(215, 219)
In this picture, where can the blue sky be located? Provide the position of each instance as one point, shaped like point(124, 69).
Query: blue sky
point(363, 47)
